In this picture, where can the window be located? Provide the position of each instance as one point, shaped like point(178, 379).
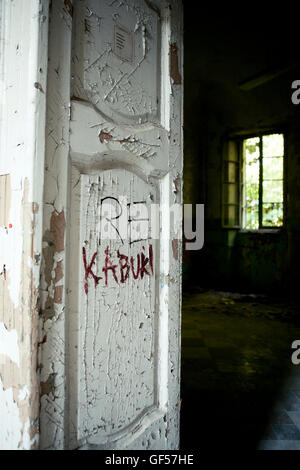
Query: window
point(253, 182)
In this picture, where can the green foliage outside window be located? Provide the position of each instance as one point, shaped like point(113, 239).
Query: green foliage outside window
point(264, 156)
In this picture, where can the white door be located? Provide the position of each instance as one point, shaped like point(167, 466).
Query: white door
point(111, 289)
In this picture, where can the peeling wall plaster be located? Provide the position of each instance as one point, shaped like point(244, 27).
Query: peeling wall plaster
point(174, 64)
point(18, 339)
point(122, 112)
point(23, 63)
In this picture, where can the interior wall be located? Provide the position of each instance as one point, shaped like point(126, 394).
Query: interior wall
point(222, 51)
point(23, 71)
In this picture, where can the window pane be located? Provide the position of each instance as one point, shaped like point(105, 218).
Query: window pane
point(273, 145)
point(251, 147)
point(272, 214)
point(272, 191)
point(252, 220)
point(273, 168)
point(231, 185)
point(251, 152)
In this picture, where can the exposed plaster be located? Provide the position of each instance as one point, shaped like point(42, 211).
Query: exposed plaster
point(175, 248)
point(48, 386)
point(57, 228)
point(19, 340)
point(23, 44)
point(104, 136)
point(69, 7)
point(121, 355)
point(174, 65)
point(53, 264)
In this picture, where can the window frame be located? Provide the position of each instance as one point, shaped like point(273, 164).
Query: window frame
point(238, 161)
point(238, 141)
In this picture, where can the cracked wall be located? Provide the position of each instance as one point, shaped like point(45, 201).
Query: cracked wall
point(108, 340)
point(23, 35)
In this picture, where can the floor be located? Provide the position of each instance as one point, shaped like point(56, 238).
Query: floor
point(239, 386)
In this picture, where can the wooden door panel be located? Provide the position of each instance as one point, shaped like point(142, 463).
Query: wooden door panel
point(113, 319)
point(117, 59)
point(115, 382)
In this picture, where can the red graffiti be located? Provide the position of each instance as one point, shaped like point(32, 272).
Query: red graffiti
point(88, 270)
point(109, 266)
point(139, 268)
point(123, 266)
point(135, 275)
point(145, 262)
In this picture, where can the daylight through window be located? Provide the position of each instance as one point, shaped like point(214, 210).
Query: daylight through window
point(263, 181)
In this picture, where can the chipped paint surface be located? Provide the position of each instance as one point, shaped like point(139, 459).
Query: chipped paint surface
point(123, 90)
point(174, 65)
point(116, 328)
point(23, 45)
point(109, 352)
point(175, 249)
point(52, 328)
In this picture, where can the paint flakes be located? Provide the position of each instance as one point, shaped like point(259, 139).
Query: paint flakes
point(57, 228)
point(3, 273)
point(37, 258)
point(58, 294)
point(175, 249)
point(48, 385)
point(104, 137)
point(174, 66)
point(38, 86)
point(69, 7)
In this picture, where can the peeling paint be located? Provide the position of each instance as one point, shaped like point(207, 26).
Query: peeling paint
point(57, 228)
point(3, 272)
point(54, 240)
point(174, 66)
point(18, 369)
point(23, 58)
point(118, 338)
point(175, 248)
point(58, 272)
point(104, 136)
point(38, 86)
point(48, 386)
point(126, 87)
point(37, 258)
point(177, 185)
point(69, 7)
